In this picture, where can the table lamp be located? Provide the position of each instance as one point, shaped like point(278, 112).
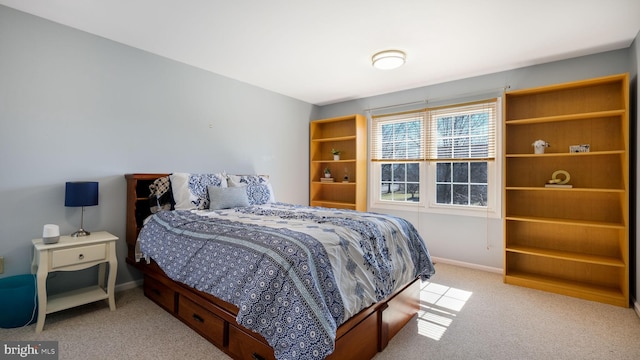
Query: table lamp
point(81, 194)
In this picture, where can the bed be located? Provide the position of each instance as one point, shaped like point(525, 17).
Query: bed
point(267, 280)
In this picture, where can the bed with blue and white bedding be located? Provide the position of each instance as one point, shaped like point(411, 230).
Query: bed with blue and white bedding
point(295, 273)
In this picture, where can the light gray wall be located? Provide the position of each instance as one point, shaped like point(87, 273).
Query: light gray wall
point(74, 106)
point(476, 240)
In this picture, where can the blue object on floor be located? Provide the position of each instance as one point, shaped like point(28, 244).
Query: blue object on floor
point(18, 303)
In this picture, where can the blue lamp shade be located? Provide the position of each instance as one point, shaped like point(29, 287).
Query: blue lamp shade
point(81, 193)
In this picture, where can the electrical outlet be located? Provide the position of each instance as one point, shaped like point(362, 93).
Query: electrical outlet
point(1, 264)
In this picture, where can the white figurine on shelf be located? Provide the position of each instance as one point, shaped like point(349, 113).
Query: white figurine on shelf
point(539, 146)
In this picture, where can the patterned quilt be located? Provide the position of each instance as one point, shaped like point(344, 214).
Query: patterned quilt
point(295, 273)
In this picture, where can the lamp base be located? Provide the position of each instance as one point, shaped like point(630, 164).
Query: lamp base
point(80, 233)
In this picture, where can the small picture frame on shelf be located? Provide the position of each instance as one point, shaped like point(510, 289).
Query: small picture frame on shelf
point(579, 148)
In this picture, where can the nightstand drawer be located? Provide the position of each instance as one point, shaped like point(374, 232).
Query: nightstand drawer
point(78, 255)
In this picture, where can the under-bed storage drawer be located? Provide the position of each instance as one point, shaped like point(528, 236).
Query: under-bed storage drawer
point(243, 346)
point(360, 342)
point(203, 321)
point(160, 294)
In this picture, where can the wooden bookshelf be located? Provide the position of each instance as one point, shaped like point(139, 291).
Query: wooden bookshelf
point(349, 135)
point(572, 241)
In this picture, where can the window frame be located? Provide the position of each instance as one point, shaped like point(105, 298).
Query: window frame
point(427, 202)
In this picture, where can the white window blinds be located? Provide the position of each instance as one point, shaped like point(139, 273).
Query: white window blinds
point(448, 133)
point(399, 137)
point(466, 131)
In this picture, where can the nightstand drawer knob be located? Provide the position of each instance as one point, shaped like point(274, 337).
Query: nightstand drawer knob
point(81, 256)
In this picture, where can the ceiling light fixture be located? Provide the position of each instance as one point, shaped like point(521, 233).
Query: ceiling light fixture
point(388, 59)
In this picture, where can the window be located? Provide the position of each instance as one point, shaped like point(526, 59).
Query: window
point(401, 147)
point(463, 144)
point(454, 146)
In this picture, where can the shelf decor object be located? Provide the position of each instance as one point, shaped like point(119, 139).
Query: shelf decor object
point(570, 239)
point(539, 146)
point(81, 194)
point(349, 135)
point(336, 154)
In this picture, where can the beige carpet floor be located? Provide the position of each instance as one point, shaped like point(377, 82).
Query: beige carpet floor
point(465, 314)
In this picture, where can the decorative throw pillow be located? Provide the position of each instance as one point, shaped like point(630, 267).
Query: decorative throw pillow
point(190, 191)
point(160, 195)
point(227, 198)
point(258, 187)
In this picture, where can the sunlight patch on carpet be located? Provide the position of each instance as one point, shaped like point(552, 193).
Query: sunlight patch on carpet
point(439, 307)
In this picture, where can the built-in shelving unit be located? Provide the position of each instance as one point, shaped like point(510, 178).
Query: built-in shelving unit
point(572, 241)
point(348, 134)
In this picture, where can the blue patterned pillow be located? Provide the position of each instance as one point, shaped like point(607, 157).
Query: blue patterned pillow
point(190, 191)
point(259, 189)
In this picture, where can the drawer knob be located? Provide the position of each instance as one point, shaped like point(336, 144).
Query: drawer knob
point(81, 256)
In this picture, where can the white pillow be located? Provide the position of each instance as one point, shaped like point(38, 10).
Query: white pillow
point(227, 198)
point(190, 191)
point(259, 189)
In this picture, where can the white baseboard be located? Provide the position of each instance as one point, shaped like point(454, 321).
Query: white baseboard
point(129, 285)
point(636, 307)
point(467, 265)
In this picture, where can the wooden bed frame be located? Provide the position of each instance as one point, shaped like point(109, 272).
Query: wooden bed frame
point(360, 337)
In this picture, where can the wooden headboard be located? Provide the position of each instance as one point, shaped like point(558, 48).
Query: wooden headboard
point(138, 207)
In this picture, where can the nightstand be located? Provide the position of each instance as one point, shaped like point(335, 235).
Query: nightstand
point(72, 254)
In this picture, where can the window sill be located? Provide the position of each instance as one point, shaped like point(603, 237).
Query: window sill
point(437, 209)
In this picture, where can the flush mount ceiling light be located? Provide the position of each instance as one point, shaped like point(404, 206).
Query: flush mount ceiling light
point(388, 59)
